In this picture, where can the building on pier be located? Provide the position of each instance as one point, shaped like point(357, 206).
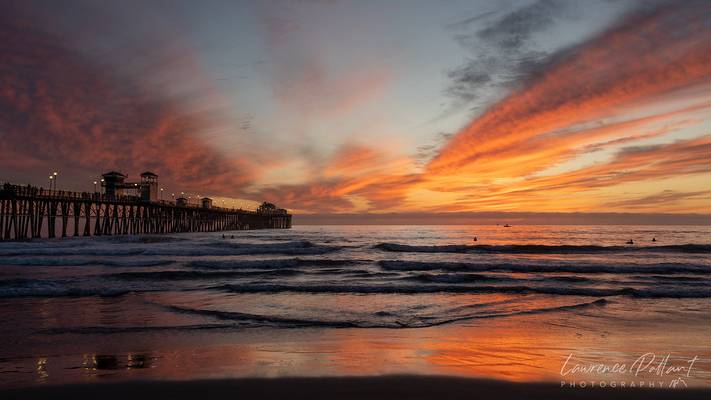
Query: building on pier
point(148, 186)
point(113, 183)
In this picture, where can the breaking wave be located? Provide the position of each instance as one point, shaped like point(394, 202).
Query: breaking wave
point(299, 247)
point(377, 320)
point(196, 275)
point(666, 268)
point(68, 262)
point(274, 263)
point(539, 248)
point(469, 289)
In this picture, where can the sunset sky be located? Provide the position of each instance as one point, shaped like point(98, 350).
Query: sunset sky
point(367, 106)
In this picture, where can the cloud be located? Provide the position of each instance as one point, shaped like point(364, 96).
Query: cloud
point(663, 198)
point(58, 107)
point(355, 178)
point(648, 54)
point(505, 48)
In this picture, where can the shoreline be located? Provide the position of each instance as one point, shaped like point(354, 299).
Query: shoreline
point(372, 387)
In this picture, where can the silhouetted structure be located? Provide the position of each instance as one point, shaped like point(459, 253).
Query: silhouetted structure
point(113, 183)
point(24, 210)
point(149, 186)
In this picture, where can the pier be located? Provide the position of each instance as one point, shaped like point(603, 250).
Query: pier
point(32, 212)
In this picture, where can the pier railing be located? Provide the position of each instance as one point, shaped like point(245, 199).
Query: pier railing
point(24, 210)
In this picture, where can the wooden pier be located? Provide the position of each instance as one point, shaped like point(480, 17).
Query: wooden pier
point(31, 212)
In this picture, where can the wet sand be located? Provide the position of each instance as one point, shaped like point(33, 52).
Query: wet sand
point(384, 387)
point(525, 348)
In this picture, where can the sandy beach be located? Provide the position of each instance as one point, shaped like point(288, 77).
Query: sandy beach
point(383, 387)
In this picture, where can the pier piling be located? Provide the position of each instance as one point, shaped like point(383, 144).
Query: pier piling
point(24, 209)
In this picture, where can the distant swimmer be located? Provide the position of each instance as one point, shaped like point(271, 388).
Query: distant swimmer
point(223, 235)
point(630, 241)
point(475, 239)
point(232, 237)
point(654, 239)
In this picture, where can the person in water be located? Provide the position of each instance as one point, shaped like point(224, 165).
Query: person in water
point(475, 239)
point(654, 239)
point(630, 241)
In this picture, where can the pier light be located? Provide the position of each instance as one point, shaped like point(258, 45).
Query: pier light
point(95, 186)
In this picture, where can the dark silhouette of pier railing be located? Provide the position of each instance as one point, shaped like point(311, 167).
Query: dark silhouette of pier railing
point(33, 212)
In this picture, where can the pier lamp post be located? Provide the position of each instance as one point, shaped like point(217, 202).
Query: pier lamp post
point(161, 194)
point(56, 174)
point(94, 186)
point(50, 182)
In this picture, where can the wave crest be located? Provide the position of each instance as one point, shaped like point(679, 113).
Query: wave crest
point(538, 248)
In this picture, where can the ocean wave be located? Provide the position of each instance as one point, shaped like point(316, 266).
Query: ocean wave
point(674, 292)
point(291, 322)
point(197, 275)
point(158, 238)
point(298, 247)
point(73, 251)
point(68, 262)
point(539, 248)
point(55, 291)
point(27, 287)
point(666, 268)
point(273, 263)
point(474, 278)
point(106, 330)
point(380, 319)
point(132, 248)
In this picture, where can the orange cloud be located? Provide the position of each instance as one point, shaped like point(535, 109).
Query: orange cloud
point(647, 55)
point(637, 82)
point(512, 156)
point(59, 109)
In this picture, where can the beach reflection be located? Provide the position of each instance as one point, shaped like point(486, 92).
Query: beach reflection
point(523, 348)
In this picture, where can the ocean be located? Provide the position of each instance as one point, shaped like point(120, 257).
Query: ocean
point(489, 301)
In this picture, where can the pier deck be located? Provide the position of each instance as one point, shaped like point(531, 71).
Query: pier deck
point(32, 212)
